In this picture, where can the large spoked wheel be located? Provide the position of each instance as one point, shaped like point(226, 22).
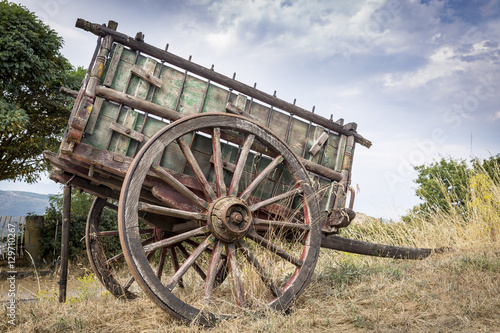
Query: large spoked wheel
point(104, 251)
point(106, 257)
point(269, 234)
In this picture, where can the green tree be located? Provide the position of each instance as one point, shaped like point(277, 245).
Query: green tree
point(490, 166)
point(442, 185)
point(446, 185)
point(32, 111)
point(80, 206)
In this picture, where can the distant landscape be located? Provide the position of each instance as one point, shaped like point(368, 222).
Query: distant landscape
point(19, 203)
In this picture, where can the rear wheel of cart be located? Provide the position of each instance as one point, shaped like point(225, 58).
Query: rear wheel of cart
point(259, 213)
point(107, 259)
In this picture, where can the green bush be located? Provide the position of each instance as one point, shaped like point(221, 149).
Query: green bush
point(445, 186)
point(80, 207)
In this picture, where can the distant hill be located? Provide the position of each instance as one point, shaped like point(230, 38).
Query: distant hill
point(19, 203)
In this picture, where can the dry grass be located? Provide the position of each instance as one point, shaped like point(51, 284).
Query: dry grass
point(458, 291)
point(454, 292)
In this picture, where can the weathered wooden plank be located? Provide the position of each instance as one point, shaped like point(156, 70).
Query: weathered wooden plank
point(216, 99)
point(330, 152)
point(340, 153)
point(127, 131)
point(173, 158)
point(279, 123)
point(298, 137)
point(101, 133)
point(147, 69)
point(260, 113)
point(137, 103)
point(146, 75)
point(192, 96)
point(94, 115)
point(170, 89)
point(113, 65)
point(219, 78)
point(122, 72)
point(124, 140)
point(318, 144)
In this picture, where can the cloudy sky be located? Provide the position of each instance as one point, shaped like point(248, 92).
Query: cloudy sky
point(421, 78)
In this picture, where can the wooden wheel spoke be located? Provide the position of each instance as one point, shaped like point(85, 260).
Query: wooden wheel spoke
point(274, 199)
point(253, 185)
point(202, 180)
point(208, 250)
point(116, 233)
point(212, 271)
point(250, 257)
point(176, 239)
point(218, 170)
point(238, 171)
point(128, 283)
point(179, 187)
point(175, 263)
point(189, 262)
point(282, 225)
point(111, 206)
point(161, 263)
point(273, 248)
point(235, 275)
point(171, 212)
point(114, 258)
point(107, 233)
point(195, 265)
point(120, 255)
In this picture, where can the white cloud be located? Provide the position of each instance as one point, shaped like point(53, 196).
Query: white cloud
point(444, 63)
point(441, 64)
point(497, 115)
point(318, 27)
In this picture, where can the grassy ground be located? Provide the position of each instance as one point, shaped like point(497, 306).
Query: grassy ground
point(453, 292)
point(458, 291)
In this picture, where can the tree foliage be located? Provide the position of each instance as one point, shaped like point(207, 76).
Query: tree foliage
point(32, 111)
point(447, 185)
point(50, 232)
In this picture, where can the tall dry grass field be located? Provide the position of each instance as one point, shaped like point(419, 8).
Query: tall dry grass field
point(458, 291)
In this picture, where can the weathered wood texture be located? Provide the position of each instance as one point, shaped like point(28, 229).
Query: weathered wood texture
point(131, 106)
point(66, 219)
point(216, 77)
point(377, 250)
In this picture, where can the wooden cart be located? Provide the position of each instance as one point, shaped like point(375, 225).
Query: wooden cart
point(224, 193)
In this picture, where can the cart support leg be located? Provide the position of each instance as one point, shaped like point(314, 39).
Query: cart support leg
point(65, 243)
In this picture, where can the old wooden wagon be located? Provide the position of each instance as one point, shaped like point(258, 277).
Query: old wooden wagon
point(224, 193)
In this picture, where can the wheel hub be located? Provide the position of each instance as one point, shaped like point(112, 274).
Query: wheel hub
point(229, 219)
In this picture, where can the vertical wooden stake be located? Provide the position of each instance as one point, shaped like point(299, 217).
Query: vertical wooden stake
point(65, 243)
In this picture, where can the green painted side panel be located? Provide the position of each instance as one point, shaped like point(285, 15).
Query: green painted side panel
point(169, 92)
point(260, 113)
point(298, 135)
point(117, 140)
point(330, 151)
point(172, 158)
point(194, 95)
point(216, 99)
point(279, 124)
point(122, 74)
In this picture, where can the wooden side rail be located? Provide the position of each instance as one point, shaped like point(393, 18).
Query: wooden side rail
point(212, 75)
